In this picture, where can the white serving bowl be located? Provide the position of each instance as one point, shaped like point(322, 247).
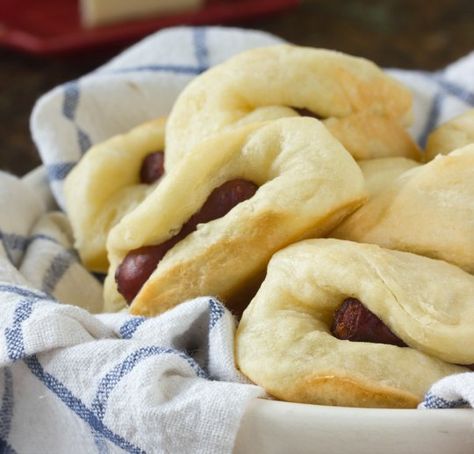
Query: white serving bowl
point(288, 428)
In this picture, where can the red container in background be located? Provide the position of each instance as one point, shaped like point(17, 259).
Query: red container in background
point(53, 26)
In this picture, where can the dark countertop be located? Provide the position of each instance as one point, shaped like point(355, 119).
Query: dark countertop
point(393, 33)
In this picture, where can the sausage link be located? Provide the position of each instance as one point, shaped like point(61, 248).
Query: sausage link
point(354, 322)
point(140, 263)
point(152, 168)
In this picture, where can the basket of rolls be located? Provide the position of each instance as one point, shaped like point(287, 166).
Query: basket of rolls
point(287, 220)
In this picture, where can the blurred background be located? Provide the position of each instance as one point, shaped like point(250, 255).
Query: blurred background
point(393, 33)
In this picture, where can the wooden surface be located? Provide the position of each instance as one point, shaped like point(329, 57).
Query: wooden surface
point(394, 33)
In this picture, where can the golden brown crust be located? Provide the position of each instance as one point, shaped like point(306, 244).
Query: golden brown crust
point(284, 344)
point(331, 390)
point(307, 183)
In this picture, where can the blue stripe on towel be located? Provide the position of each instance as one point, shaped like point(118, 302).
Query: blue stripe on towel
point(448, 86)
point(14, 242)
point(42, 237)
point(60, 263)
point(59, 170)
point(77, 406)
point(455, 90)
point(434, 401)
point(16, 350)
point(83, 139)
point(176, 69)
point(22, 291)
point(5, 448)
point(72, 96)
point(127, 330)
point(71, 99)
point(6, 411)
point(432, 119)
point(200, 47)
point(112, 378)
point(216, 312)
point(14, 334)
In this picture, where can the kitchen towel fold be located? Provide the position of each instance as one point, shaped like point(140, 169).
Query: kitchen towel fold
point(77, 382)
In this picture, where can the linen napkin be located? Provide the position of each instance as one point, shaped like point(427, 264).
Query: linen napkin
point(73, 381)
point(76, 382)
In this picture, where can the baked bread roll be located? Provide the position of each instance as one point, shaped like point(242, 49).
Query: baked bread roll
point(307, 182)
point(365, 108)
point(284, 341)
point(427, 210)
point(451, 135)
point(106, 184)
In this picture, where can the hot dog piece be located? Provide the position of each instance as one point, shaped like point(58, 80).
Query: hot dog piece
point(140, 263)
point(138, 266)
point(152, 168)
point(354, 322)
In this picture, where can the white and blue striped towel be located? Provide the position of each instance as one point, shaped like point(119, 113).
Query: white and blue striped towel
point(73, 382)
point(77, 382)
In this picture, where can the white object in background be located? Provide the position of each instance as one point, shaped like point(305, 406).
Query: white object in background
point(100, 12)
point(273, 427)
